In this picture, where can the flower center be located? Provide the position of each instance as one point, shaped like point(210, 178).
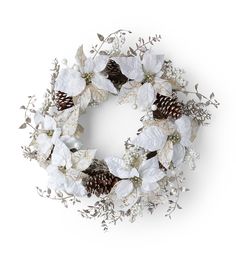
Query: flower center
point(88, 77)
point(50, 133)
point(137, 181)
point(175, 138)
point(149, 78)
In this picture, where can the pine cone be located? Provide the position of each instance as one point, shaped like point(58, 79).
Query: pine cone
point(167, 107)
point(114, 74)
point(100, 180)
point(63, 101)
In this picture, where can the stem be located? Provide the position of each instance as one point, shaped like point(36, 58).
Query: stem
point(103, 42)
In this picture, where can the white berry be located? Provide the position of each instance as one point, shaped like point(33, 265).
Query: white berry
point(154, 107)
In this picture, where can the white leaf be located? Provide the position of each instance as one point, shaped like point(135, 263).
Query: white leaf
point(61, 155)
point(184, 128)
point(70, 82)
point(131, 67)
point(82, 159)
point(71, 124)
point(145, 96)
point(118, 168)
point(151, 138)
point(165, 155)
point(123, 188)
point(178, 154)
point(101, 82)
point(48, 123)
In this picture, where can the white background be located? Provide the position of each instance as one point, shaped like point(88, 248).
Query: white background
point(198, 36)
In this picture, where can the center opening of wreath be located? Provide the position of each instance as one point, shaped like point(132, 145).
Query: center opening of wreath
point(107, 127)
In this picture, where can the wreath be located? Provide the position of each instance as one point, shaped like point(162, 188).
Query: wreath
point(150, 172)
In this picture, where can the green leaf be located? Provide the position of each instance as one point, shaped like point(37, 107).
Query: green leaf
point(100, 37)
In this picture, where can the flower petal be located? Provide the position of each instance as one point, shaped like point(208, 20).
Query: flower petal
point(70, 82)
point(184, 128)
point(61, 155)
point(57, 179)
point(100, 63)
point(165, 155)
point(101, 82)
point(149, 171)
point(71, 142)
point(149, 187)
point(151, 138)
point(131, 67)
point(145, 96)
point(118, 168)
point(178, 154)
point(44, 143)
point(75, 188)
point(123, 188)
point(152, 63)
point(82, 159)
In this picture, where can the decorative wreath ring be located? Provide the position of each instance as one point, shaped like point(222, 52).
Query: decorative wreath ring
point(151, 170)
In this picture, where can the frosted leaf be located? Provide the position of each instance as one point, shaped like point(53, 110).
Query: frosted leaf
point(97, 95)
point(162, 87)
point(71, 124)
point(128, 92)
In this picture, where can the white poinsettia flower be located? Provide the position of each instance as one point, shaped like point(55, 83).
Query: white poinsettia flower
point(73, 81)
point(146, 71)
point(49, 133)
point(152, 138)
point(62, 182)
point(148, 174)
point(91, 71)
point(138, 69)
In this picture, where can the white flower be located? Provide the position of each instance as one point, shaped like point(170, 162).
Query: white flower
point(148, 71)
point(62, 182)
point(148, 173)
point(87, 71)
point(48, 135)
